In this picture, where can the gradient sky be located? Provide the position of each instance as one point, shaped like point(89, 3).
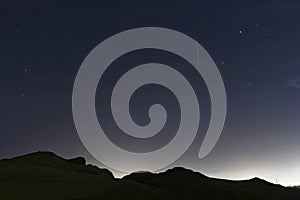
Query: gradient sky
point(255, 44)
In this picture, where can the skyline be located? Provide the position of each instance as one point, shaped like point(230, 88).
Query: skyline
point(254, 44)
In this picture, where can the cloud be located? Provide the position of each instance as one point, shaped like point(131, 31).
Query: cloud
point(295, 83)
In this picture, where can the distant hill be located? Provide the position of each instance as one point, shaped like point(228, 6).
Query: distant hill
point(44, 175)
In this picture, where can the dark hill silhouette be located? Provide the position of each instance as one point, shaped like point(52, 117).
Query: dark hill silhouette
point(44, 175)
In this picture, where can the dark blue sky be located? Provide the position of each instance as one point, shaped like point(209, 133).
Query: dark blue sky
point(255, 45)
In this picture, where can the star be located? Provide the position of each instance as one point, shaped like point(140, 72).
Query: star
point(240, 31)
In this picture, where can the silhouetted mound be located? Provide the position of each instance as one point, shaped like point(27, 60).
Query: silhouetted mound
point(44, 175)
point(78, 161)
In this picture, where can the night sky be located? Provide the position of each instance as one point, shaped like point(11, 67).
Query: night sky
point(255, 44)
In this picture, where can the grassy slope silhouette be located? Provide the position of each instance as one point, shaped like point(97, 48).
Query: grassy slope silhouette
point(44, 175)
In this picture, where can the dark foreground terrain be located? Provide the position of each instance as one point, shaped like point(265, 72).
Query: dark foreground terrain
point(45, 175)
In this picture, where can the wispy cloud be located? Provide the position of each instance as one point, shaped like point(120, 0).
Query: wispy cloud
point(295, 83)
